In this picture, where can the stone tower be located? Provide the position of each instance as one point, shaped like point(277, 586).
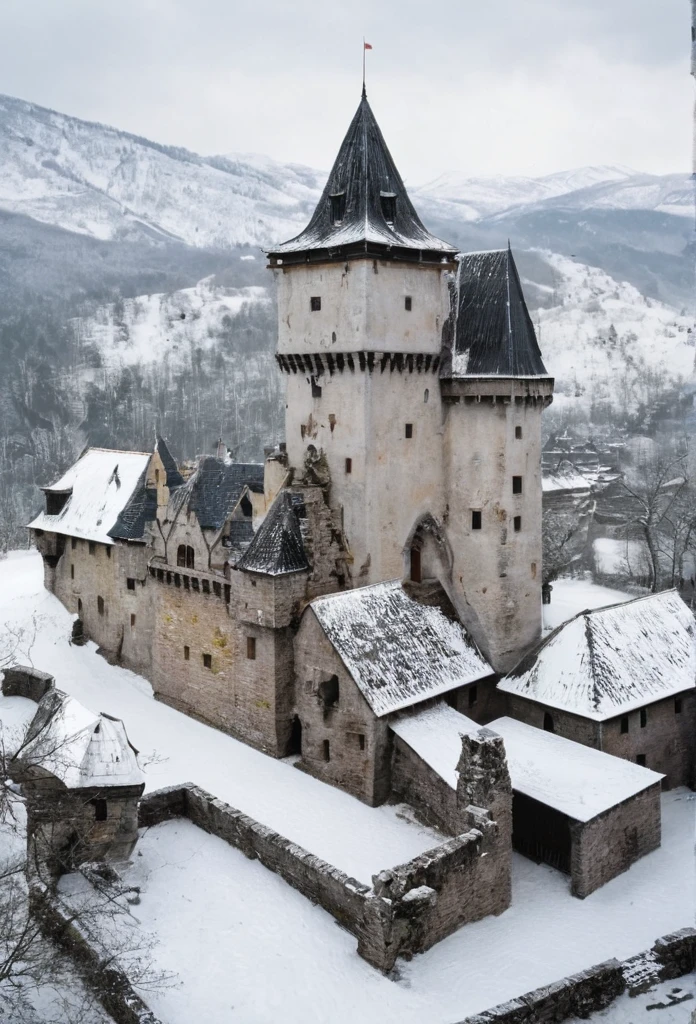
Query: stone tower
point(370, 306)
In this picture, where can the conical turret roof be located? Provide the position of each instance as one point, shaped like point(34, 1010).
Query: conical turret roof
point(364, 207)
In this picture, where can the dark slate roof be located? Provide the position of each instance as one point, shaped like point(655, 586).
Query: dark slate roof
point(494, 334)
point(174, 477)
point(216, 487)
point(277, 547)
point(609, 661)
point(140, 509)
point(364, 174)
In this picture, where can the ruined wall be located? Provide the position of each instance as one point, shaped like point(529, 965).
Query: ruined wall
point(668, 739)
point(607, 845)
point(419, 785)
point(359, 745)
point(23, 681)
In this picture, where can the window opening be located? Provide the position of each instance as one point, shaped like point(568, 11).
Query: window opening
point(476, 519)
point(416, 572)
point(473, 695)
point(326, 750)
point(100, 605)
point(92, 547)
point(640, 759)
point(548, 722)
point(190, 557)
point(73, 543)
point(251, 648)
point(338, 207)
point(72, 572)
point(315, 303)
point(130, 583)
point(349, 465)
point(518, 433)
point(207, 661)
point(79, 606)
point(388, 200)
point(55, 503)
point(246, 507)
point(316, 389)
point(517, 485)
point(361, 740)
point(624, 724)
point(100, 810)
point(408, 303)
point(328, 692)
point(677, 705)
point(295, 741)
point(181, 555)
point(409, 430)
point(187, 653)
point(517, 523)
point(132, 620)
point(426, 396)
point(108, 551)
point(643, 718)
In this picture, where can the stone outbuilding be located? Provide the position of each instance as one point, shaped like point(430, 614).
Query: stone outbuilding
point(588, 814)
point(621, 679)
point(82, 783)
point(361, 656)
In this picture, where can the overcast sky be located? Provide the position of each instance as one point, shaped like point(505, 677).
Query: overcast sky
point(470, 86)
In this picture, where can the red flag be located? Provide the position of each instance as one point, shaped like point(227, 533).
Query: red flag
point(368, 46)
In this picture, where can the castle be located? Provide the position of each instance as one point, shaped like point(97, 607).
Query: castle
point(381, 571)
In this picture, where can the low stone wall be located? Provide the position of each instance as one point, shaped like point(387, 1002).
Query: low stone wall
point(587, 992)
point(23, 681)
point(110, 985)
point(408, 908)
point(419, 785)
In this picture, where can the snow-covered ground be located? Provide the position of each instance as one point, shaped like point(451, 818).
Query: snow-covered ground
point(358, 839)
point(570, 596)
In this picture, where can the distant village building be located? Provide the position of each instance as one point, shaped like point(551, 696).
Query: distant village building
point(384, 562)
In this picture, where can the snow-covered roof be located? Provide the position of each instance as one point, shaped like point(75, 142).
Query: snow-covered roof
point(435, 734)
point(574, 779)
point(99, 484)
point(610, 661)
point(364, 202)
point(564, 477)
point(278, 547)
point(399, 652)
point(79, 747)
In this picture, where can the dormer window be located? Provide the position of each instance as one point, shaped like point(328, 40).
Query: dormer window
point(338, 207)
point(56, 502)
point(388, 200)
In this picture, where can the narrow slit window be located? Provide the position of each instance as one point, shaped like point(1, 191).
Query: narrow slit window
point(349, 465)
point(251, 648)
point(416, 571)
point(476, 519)
point(473, 696)
point(132, 621)
point(187, 652)
point(100, 605)
point(326, 750)
point(517, 485)
point(315, 303)
point(408, 432)
point(677, 705)
point(72, 572)
point(73, 542)
point(518, 433)
point(361, 740)
point(624, 724)
point(408, 303)
point(517, 523)
point(643, 718)
point(108, 551)
point(426, 396)
point(207, 661)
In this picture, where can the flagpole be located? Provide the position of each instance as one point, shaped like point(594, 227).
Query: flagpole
point(363, 65)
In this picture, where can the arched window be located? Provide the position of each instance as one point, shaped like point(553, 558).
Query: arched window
point(190, 557)
point(181, 555)
point(548, 722)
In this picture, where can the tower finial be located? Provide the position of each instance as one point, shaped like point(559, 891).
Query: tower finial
point(366, 47)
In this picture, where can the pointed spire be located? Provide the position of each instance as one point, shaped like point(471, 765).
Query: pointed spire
point(365, 208)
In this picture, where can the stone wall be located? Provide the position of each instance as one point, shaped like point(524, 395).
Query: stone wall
point(406, 910)
point(607, 845)
point(569, 726)
point(23, 681)
point(419, 785)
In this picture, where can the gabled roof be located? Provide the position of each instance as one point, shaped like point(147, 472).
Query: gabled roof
point(399, 652)
point(140, 510)
point(364, 175)
point(494, 334)
point(278, 547)
point(174, 477)
point(100, 485)
point(79, 747)
point(610, 661)
point(215, 488)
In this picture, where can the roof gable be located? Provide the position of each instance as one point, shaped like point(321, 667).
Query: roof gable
point(610, 661)
point(364, 181)
point(494, 334)
point(100, 484)
point(216, 487)
point(399, 652)
point(278, 547)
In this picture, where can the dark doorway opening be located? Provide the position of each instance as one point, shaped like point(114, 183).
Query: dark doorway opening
point(416, 570)
point(295, 741)
point(548, 722)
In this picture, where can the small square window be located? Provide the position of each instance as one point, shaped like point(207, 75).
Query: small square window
point(349, 465)
point(92, 547)
point(677, 705)
point(207, 661)
point(315, 303)
point(132, 621)
point(518, 433)
point(130, 583)
point(624, 724)
point(251, 648)
point(643, 718)
point(517, 523)
point(476, 519)
point(517, 485)
point(409, 430)
point(473, 696)
point(408, 303)
point(187, 653)
point(640, 759)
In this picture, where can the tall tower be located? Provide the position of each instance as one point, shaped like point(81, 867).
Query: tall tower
point(370, 307)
